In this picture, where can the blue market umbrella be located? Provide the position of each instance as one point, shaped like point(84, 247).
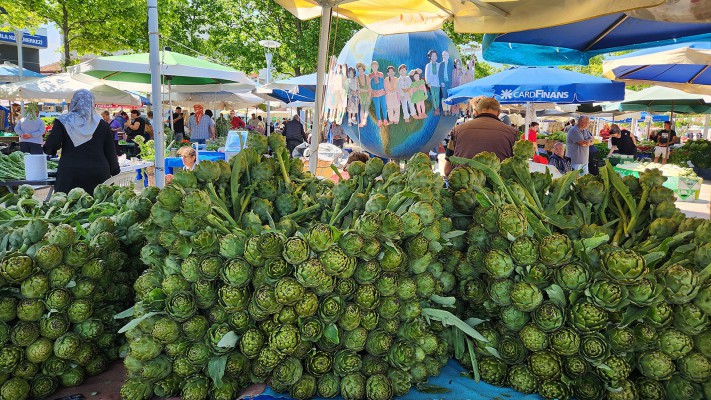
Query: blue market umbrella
point(540, 85)
point(299, 88)
point(11, 73)
point(685, 66)
point(576, 43)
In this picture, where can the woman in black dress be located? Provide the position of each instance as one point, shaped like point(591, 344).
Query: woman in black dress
point(88, 152)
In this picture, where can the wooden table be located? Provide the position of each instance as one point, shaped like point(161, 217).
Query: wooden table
point(9, 139)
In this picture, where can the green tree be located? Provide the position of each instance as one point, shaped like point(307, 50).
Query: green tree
point(87, 26)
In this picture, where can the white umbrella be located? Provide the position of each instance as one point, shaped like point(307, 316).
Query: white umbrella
point(221, 100)
point(62, 87)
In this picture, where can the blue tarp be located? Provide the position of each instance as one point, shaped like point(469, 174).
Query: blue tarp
point(304, 89)
point(699, 74)
point(540, 85)
point(461, 388)
point(575, 44)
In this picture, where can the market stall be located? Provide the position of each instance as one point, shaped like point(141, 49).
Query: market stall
point(683, 181)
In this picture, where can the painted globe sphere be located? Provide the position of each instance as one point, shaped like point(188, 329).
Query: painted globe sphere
point(394, 86)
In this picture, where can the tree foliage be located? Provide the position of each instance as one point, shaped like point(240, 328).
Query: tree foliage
point(86, 26)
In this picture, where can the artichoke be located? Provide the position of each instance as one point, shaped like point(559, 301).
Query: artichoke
point(353, 386)
point(533, 338)
point(680, 284)
point(548, 317)
point(555, 249)
point(492, 370)
point(526, 297)
point(521, 379)
point(655, 365)
point(498, 264)
point(586, 316)
point(545, 365)
point(15, 388)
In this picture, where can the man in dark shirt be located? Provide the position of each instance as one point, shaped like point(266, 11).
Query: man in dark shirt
point(483, 133)
point(664, 139)
point(559, 160)
point(295, 133)
point(178, 124)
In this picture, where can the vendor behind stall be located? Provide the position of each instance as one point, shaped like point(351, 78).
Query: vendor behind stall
point(87, 144)
point(621, 142)
point(30, 129)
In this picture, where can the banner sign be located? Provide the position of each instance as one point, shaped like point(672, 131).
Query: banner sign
point(27, 39)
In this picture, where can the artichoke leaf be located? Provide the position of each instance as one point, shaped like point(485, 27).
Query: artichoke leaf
point(134, 322)
point(216, 369)
point(447, 318)
point(453, 234)
point(443, 301)
point(331, 333)
point(484, 200)
point(229, 340)
point(705, 274)
point(556, 295)
point(632, 313)
point(472, 356)
point(555, 197)
point(431, 389)
point(125, 313)
point(652, 259)
point(621, 188)
point(493, 351)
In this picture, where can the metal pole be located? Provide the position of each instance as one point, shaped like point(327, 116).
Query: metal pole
point(20, 72)
point(269, 107)
point(170, 105)
point(706, 127)
point(156, 96)
point(324, 35)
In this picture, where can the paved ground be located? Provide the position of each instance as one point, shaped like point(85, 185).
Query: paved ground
point(698, 208)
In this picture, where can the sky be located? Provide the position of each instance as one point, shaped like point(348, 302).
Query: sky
point(54, 46)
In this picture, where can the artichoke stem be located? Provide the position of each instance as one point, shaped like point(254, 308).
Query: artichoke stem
point(302, 212)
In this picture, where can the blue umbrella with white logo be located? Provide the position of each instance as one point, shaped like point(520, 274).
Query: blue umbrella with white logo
point(526, 85)
point(540, 85)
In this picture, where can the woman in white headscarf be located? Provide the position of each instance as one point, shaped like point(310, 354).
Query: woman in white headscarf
point(88, 153)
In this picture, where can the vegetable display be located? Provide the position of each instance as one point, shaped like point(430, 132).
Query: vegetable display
point(592, 287)
point(65, 271)
point(261, 273)
point(606, 294)
point(12, 167)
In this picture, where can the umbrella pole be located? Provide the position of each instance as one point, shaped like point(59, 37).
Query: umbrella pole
point(706, 126)
point(154, 59)
point(170, 105)
point(324, 35)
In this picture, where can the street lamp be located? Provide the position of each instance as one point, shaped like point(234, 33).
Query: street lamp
point(268, 45)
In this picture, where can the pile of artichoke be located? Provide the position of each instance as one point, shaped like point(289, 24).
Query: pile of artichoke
point(262, 273)
point(588, 288)
point(61, 285)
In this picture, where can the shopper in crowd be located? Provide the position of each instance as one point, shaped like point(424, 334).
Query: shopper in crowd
point(569, 125)
point(559, 160)
point(483, 133)
point(294, 133)
point(178, 125)
point(189, 157)
point(115, 127)
point(88, 153)
point(235, 121)
point(532, 134)
point(30, 129)
point(149, 124)
point(353, 157)
point(201, 126)
point(14, 117)
point(137, 126)
point(253, 122)
point(579, 140)
point(663, 139)
point(338, 135)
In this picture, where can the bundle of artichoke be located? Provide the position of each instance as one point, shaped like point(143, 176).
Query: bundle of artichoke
point(260, 272)
point(60, 287)
point(588, 288)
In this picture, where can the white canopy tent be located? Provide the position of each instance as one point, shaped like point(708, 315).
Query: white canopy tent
point(61, 87)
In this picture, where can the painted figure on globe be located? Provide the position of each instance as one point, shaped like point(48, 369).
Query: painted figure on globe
point(457, 75)
point(391, 96)
point(377, 93)
point(363, 93)
point(330, 103)
point(352, 89)
point(467, 77)
point(432, 78)
point(444, 74)
point(419, 93)
point(341, 93)
point(404, 91)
